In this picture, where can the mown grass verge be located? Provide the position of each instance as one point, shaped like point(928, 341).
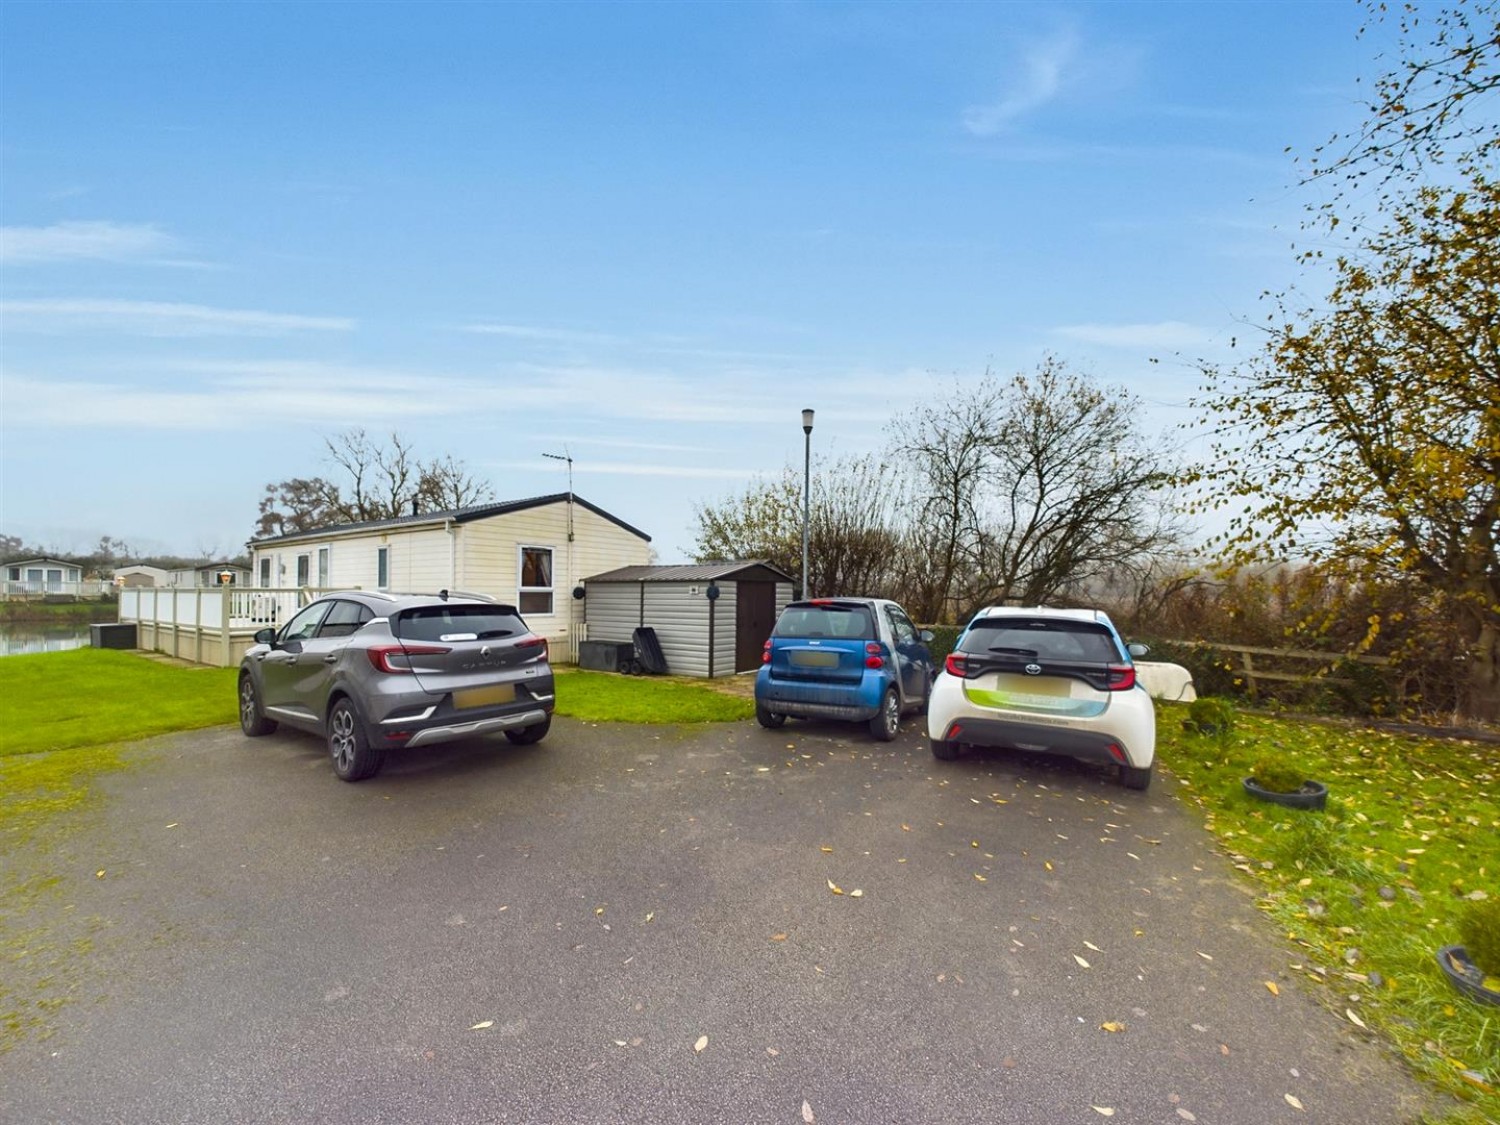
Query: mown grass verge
point(1367, 891)
point(63, 716)
point(603, 697)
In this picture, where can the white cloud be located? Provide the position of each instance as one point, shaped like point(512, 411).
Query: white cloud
point(1165, 334)
point(85, 241)
point(157, 318)
point(1038, 80)
point(539, 335)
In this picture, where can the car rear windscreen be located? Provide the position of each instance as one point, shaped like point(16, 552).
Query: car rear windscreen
point(852, 622)
point(1045, 640)
point(458, 623)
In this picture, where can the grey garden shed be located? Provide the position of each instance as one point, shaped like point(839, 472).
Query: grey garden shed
point(712, 619)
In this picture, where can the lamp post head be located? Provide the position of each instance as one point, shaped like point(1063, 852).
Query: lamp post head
point(807, 419)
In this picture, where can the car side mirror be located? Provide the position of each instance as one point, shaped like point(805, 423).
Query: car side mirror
point(925, 636)
point(266, 636)
point(1138, 649)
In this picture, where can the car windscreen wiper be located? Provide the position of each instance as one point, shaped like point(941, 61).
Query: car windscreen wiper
point(1029, 653)
point(489, 634)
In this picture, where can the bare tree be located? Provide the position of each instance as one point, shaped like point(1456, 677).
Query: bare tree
point(446, 485)
point(950, 444)
point(852, 539)
point(380, 482)
point(1032, 489)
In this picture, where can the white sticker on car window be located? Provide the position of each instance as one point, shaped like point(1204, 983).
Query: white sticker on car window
point(459, 637)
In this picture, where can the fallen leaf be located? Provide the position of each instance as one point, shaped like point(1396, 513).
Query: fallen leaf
point(835, 888)
point(856, 893)
point(1354, 1019)
point(1081, 961)
point(621, 1043)
point(778, 937)
point(1103, 1110)
point(1048, 864)
point(807, 1113)
point(1112, 1025)
point(980, 877)
point(482, 1025)
point(1094, 947)
point(1271, 984)
point(702, 1042)
point(1205, 956)
point(1292, 1101)
point(826, 850)
point(650, 915)
point(174, 824)
point(598, 910)
point(1185, 1114)
point(906, 828)
point(772, 1051)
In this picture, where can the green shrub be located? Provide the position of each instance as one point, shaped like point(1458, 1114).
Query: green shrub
point(1211, 715)
point(1278, 774)
point(1479, 930)
point(944, 637)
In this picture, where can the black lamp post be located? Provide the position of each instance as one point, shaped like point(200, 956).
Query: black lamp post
point(807, 424)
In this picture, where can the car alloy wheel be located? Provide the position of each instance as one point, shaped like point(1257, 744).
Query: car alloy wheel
point(252, 721)
point(354, 759)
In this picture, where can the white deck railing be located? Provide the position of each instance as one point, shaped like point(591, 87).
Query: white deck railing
point(207, 624)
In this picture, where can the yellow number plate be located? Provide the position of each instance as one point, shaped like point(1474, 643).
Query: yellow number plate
point(815, 659)
point(484, 696)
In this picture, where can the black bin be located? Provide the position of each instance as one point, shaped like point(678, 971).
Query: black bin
point(112, 634)
point(605, 656)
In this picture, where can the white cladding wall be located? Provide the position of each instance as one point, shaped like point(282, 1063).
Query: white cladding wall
point(482, 557)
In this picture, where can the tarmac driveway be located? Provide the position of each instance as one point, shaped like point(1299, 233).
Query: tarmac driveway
point(636, 925)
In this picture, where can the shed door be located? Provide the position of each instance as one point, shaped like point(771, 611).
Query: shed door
point(755, 616)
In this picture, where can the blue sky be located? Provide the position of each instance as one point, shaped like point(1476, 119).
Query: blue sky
point(648, 234)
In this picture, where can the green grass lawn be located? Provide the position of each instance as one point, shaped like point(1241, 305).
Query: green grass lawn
point(1366, 892)
point(603, 697)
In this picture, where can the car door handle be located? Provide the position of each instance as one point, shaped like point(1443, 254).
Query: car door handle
point(331, 658)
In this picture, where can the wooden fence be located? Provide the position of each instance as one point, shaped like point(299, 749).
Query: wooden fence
point(1258, 668)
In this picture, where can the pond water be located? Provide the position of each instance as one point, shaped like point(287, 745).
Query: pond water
point(17, 640)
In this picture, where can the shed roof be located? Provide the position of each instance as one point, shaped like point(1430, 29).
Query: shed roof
point(738, 569)
point(457, 515)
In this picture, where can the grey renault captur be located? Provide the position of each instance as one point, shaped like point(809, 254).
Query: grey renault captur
point(371, 671)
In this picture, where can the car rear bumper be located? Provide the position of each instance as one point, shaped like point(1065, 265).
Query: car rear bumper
point(451, 732)
point(442, 722)
point(1018, 734)
point(854, 702)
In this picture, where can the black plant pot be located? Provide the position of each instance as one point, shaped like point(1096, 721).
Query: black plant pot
point(1312, 795)
point(1465, 975)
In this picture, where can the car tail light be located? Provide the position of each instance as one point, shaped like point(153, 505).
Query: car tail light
point(821, 601)
point(957, 664)
point(765, 653)
point(874, 655)
point(397, 658)
point(530, 641)
point(1117, 752)
point(1121, 677)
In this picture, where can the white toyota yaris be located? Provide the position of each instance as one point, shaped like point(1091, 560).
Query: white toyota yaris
point(1058, 681)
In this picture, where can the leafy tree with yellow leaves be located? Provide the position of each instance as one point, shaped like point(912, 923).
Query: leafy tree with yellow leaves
point(1365, 434)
